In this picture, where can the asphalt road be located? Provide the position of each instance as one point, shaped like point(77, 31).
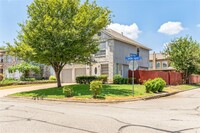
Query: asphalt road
point(178, 113)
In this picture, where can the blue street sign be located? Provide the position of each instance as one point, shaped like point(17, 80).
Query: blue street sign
point(133, 55)
point(129, 58)
point(133, 58)
point(138, 58)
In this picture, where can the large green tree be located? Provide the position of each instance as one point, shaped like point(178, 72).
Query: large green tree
point(58, 32)
point(184, 55)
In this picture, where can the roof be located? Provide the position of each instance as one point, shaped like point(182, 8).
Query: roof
point(117, 36)
point(159, 56)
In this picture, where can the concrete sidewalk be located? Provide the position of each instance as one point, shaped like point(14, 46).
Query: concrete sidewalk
point(6, 92)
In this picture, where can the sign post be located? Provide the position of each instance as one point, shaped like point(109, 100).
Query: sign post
point(132, 58)
point(133, 79)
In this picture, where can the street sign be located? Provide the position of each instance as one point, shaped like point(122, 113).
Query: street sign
point(133, 58)
point(133, 65)
point(133, 55)
point(129, 58)
point(137, 58)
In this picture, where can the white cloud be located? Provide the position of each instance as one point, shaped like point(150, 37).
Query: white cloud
point(131, 31)
point(198, 25)
point(171, 28)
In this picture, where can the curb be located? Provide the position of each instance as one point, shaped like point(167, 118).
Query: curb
point(156, 96)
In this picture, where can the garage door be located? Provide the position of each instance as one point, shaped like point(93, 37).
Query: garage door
point(80, 72)
point(67, 76)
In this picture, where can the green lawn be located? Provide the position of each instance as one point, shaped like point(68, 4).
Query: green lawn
point(109, 92)
point(82, 91)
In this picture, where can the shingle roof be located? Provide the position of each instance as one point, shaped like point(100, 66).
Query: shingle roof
point(117, 36)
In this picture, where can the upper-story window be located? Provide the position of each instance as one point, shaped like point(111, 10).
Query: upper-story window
point(102, 49)
point(164, 64)
point(158, 64)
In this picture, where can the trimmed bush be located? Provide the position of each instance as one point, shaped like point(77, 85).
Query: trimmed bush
point(159, 84)
point(27, 79)
point(103, 78)
point(117, 79)
point(67, 91)
point(85, 79)
point(52, 78)
point(155, 85)
point(95, 88)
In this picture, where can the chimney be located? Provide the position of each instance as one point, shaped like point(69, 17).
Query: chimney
point(122, 33)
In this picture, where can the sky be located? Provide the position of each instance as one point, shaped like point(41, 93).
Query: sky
point(153, 23)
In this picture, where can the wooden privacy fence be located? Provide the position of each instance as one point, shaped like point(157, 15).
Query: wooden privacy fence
point(171, 78)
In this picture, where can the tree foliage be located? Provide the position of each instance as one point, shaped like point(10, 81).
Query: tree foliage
point(24, 68)
point(58, 32)
point(184, 55)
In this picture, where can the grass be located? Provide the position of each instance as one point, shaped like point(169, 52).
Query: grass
point(109, 92)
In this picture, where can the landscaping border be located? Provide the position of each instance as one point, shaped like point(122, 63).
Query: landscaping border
point(156, 96)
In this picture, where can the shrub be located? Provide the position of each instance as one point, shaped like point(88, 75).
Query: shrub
point(67, 91)
point(95, 88)
point(159, 84)
point(117, 79)
point(148, 85)
point(103, 78)
point(85, 79)
point(27, 79)
point(52, 77)
point(155, 85)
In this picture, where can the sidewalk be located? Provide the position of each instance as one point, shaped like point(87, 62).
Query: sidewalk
point(30, 88)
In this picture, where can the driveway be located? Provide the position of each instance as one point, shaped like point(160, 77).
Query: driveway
point(6, 92)
point(178, 113)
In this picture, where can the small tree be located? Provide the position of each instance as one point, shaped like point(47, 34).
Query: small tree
point(58, 32)
point(184, 55)
point(25, 68)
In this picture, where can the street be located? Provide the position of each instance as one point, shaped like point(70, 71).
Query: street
point(179, 113)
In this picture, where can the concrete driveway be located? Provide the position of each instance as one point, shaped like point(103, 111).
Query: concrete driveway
point(6, 92)
point(179, 114)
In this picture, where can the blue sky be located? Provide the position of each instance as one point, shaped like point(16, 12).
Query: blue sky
point(150, 22)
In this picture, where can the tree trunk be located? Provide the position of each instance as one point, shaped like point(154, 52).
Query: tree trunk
point(58, 78)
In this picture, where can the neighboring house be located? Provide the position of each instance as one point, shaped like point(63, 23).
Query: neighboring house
point(110, 59)
point(7, 61)
point(157, 61)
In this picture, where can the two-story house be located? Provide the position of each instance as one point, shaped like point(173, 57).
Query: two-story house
point(157, 61)
point(110, 59)
point(7, 61)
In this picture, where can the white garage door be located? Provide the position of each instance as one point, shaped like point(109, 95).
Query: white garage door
point(80, 72)
point(67, 76)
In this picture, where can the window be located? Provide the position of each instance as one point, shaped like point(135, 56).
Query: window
point(104, 69)
point(95, 70)
point(158, 64)
point(164, 64)
point(119, 69)
point(102, 49)
point(150, 64)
